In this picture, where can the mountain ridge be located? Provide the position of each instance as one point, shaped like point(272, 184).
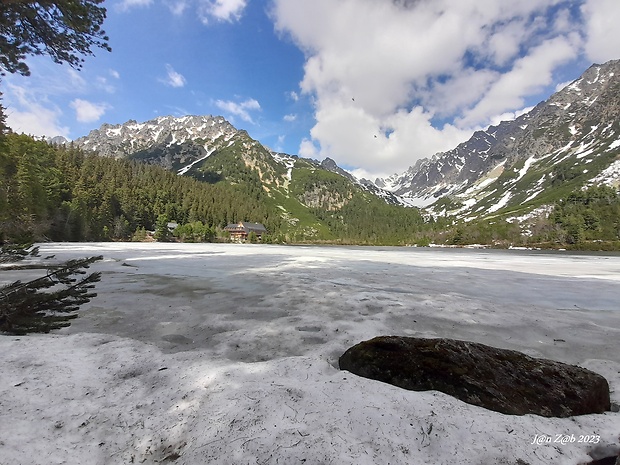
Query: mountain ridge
point(569, 141)
point(575, 122)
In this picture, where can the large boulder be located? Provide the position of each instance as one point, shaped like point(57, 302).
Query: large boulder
point(502, 380)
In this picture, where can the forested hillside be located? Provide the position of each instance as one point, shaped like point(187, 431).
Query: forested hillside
point(584, 219)
point(61, 193)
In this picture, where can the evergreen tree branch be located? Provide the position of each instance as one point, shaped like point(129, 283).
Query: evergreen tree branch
point(25, 306)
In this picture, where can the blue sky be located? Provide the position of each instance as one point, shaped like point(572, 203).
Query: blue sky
point(373, 85)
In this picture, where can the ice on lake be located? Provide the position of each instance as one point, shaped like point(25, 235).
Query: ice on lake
point(218, 353)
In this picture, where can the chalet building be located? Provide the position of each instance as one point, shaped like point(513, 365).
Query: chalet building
point(241, 230)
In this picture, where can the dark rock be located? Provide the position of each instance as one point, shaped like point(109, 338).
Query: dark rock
point(502, 380)
point(615, 460)
point(605, 454)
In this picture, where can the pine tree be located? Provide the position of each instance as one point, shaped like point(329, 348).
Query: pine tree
point(64, 30)
point(27, 307)
point(162, 232)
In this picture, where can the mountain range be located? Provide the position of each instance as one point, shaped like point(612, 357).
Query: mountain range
point(509, 170)
point(571, 138)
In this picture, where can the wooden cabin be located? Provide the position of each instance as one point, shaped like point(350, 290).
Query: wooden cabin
point(241, 230)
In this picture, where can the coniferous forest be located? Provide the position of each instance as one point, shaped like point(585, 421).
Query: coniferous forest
point(60, 193)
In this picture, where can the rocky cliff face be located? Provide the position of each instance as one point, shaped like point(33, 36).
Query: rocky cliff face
point(183, 144)
point(578, 126)
point(573, 137)
point(167, 131)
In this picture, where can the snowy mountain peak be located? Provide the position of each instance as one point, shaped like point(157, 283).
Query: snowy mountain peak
point(121, 140)
point(579, 126)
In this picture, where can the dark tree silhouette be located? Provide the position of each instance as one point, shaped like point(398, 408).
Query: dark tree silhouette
point(65, 30)
point(48, 302)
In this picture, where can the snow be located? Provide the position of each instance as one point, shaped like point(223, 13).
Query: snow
point(157, 133)
point(584, 154)
point(227, 354)
point(114, 131)
point(590, 101)
point(609, 176)
point(185, 169)
point(411, 200)
point(137, 127)
point(526, 167)
point(287, 161)
point(501, 202)
point(575, 86)
point(537, 212)
point(533, 195)
point(615, 144)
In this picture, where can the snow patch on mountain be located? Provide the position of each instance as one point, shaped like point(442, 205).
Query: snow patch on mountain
point(123, 139)
point(609, 176)
point(576, 123)
point(185, 169)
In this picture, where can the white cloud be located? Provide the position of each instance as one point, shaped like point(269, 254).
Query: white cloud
point(361, 140)
point(307, 149)
point(280, 143)
point(88, 112)
point(177, 8)
point(293, 96)
point(528, 76)
point(126, 5)
point(28, 115)
point(103, 83)
point(290, 118)
point(561, 85)
point(382, 83)
point(503, 44)
point(509, 116)
point(173, 79)
point(221, 10)
point(602, 32)
point(241, 109)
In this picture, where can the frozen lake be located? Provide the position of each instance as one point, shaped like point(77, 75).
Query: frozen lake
point(197, 296)
point(228, 354)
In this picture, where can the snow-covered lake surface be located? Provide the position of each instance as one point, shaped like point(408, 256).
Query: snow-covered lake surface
point(228, 354)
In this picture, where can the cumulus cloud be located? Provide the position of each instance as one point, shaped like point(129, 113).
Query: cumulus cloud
point(510, 115)
point(28, 115)
point(527, 76)
point(221, 10)
point(406, 79)
point(240, 109)
point(602, 33)
point(173, 78)
point(307, 149)
point(290, 118)
point(88, 112)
